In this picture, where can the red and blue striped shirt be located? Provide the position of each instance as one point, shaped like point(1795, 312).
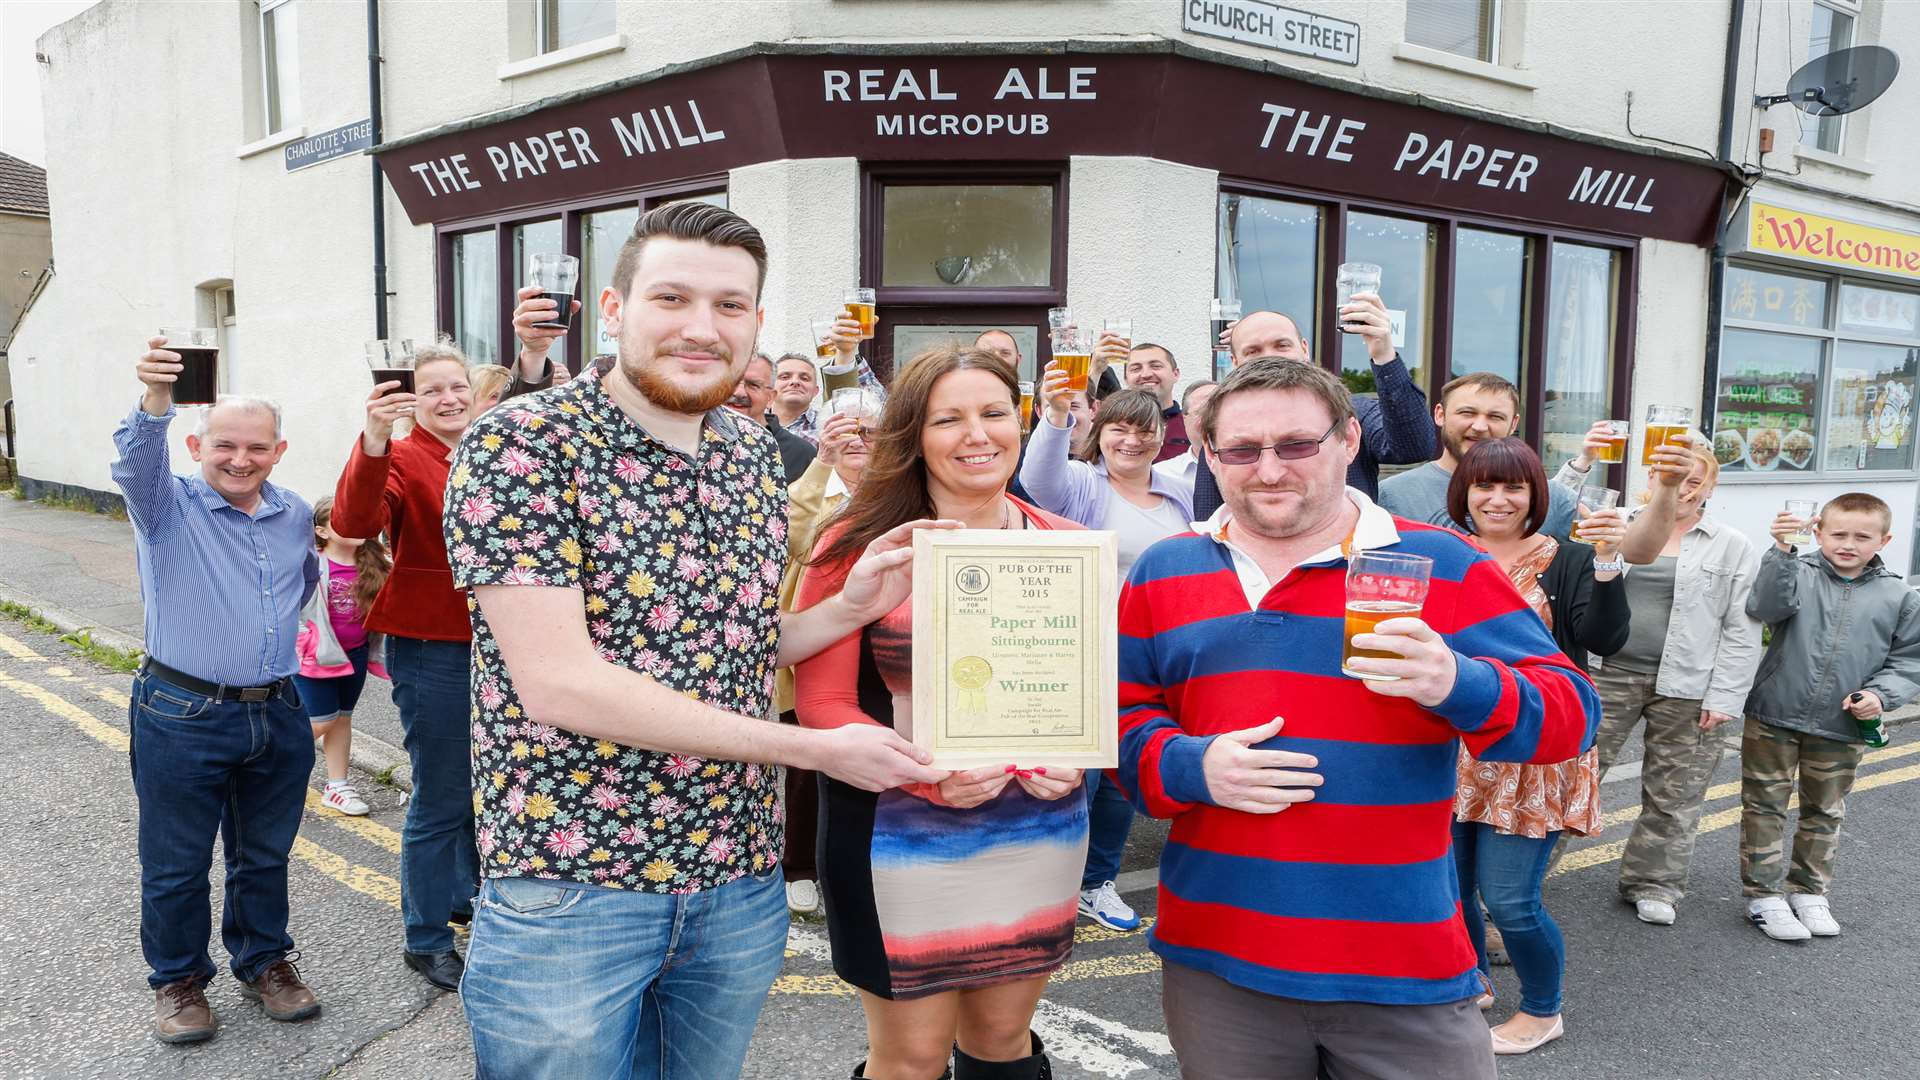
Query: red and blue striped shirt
point(1350, 896)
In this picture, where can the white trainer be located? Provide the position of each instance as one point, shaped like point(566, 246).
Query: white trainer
point(1656, 912)
point(803, 897)
point(1104, 906)
point(1814, 914)
point(344, 799)
point(1774, 918)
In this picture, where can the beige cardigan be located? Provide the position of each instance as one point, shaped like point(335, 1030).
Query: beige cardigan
point(811, 500)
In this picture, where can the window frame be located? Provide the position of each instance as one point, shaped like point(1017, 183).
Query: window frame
point(570, 215)
point(272, 112)
point(1852, 13)
point(544, 30)
point(876, 177)
point(1490, 18)
point(1333, 223)
point(1830, 336)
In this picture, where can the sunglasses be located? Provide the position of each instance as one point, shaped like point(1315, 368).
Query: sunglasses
point(1286, 451)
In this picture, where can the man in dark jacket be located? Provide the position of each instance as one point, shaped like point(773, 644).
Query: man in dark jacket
point(752, 398)
point(1394, 425)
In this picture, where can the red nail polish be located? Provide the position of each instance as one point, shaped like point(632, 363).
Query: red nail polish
point(1010, 768)
point(1040, 771)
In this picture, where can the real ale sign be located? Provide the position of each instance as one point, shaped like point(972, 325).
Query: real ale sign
point(1795, 234)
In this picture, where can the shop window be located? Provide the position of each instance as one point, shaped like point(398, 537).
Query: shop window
point(1582, 313)
point(1403, 249)
point(1870, 419)
point(601, 236)
point(561, 23)
point(1469, 28)
point(1489, 321)
point(1269, 258)
point(967, 236)
point(535, 238)
point(279, 65)
point(1808, 386)
point(476, 295)
point(1831, 31)
point(1769, 407)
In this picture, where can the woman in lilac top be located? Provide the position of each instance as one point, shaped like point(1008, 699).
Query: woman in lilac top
point(1112, 485)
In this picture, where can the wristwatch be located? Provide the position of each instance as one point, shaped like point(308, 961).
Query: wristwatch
point(1615, 565)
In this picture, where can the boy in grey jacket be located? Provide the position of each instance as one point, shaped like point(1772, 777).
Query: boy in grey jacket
point(1846, 647)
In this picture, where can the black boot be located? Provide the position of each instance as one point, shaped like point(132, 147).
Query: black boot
point(860, 1072)
point(1033, 1067)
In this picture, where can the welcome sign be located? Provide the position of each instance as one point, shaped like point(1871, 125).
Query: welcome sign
point(1832, 242)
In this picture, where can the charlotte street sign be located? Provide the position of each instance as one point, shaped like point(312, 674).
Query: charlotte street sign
point(341, 141)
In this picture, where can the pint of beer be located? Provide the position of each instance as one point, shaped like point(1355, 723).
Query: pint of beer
point(1804, 509)
point(556, 274)
point(823, 343)
point(1073, 351)
point(392, 361)
point(1665, 424)
point(1352, 279)
point(860, 304)
point(199, 380)
point(1615, 450)
point(1026, 406)
point(1595, 499)
point(1381, 585)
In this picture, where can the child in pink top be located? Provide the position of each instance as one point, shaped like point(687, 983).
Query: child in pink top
point(336, 650)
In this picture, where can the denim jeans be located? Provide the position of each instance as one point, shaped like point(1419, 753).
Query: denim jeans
point(1507, 871)
point(566, 980)
point(1109, 819)
point(439, 867)
point(200, 767)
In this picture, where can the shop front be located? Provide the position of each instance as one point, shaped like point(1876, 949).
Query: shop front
point(1172, 185)
point(1819, 345)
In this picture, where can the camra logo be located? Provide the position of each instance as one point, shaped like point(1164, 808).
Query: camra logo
point(972, 580)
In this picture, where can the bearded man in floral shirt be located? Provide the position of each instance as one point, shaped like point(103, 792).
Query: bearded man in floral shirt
point(623, 538)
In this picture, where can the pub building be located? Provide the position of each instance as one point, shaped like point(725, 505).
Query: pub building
point(1175, 164)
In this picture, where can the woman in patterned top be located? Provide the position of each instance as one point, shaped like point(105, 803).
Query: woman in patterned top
point(936, 973)
point(1508, 817)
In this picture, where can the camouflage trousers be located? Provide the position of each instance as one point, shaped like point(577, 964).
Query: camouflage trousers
point(1771, 759)
point(1675, 770)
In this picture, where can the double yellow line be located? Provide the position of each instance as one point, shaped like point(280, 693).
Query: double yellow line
point(339, 868)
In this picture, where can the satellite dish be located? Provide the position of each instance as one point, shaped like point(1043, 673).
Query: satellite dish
point(1842, 81)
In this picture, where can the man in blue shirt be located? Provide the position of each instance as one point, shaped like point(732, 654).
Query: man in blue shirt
point(227, 561)
point(1394, 426)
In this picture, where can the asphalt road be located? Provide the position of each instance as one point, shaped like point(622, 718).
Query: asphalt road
point(1708, 998)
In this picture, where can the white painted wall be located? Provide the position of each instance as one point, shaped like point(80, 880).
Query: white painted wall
point(1140, 239)
point(809, 214)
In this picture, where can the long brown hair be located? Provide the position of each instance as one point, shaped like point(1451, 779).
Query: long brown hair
point(370, 562)
point(893, 489)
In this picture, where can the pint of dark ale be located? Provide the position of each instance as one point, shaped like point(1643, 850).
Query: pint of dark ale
point(392, 361)
point(199, 380)
point(556, 275)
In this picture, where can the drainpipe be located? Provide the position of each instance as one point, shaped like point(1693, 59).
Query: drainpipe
point(379, 184)
point(1717, 263)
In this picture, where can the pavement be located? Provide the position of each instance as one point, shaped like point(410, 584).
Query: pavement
point(1707, 998)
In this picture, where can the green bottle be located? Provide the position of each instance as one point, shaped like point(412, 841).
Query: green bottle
point(1871, 730)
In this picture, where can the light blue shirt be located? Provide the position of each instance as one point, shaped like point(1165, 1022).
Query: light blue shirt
point(222, 589)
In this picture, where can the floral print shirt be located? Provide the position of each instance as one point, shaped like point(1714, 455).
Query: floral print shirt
point(678, 563)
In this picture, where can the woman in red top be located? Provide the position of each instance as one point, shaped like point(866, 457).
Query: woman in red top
point(396, 486)
point(947, 904)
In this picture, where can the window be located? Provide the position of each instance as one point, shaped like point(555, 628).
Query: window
point(1490, 272)
point(967, 236)
point(1269, 258)
point(1469, 28)
point(483, 263)
point(279, 65)
point(1403, 249)
point(1813, 387)
point(561, 23)
point(1582, 313)
point(476, 295)
point(1832, 30)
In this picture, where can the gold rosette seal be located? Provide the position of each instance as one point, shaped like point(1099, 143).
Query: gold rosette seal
point(971, 675)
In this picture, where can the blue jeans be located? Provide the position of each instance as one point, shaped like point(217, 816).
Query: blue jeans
point(238, 768)
point(1507, 871)
point(1109, 819)
point(325, 699)
point(439, 867)
point(569, 981)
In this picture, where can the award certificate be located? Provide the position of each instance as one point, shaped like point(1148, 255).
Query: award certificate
point(1015, 659)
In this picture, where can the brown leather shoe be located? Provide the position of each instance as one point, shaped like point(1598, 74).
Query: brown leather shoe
point(181, 1013)
point(280, 990)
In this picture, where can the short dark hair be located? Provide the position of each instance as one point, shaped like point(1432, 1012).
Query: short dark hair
point(690, 221)
point(1482, 380)
point(1273, 373)
point(1135, 407)
point(1859, 502)
point(1500, 461)
point(1168, 353)
point(1186, 396)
